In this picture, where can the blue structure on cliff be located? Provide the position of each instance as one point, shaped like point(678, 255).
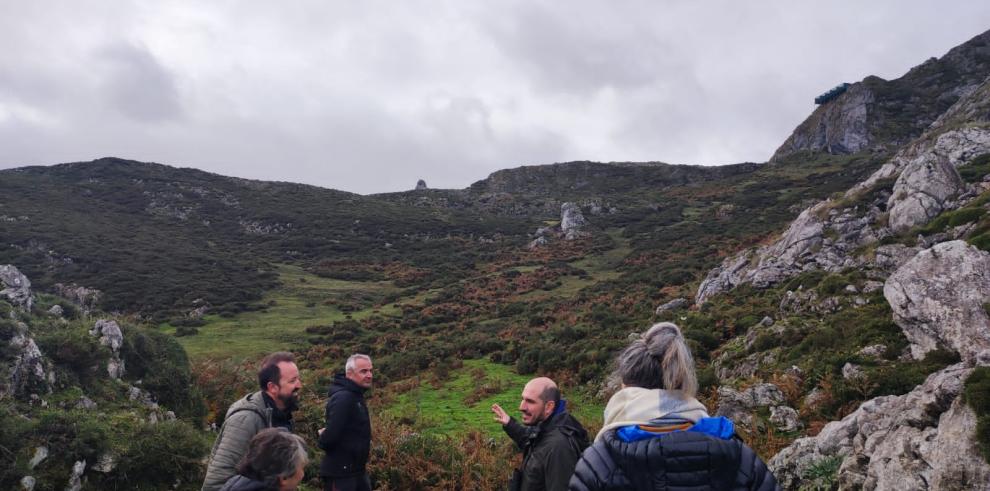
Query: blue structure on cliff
point(832, 94)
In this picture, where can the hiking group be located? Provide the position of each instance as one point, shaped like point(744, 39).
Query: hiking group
point(655, 435)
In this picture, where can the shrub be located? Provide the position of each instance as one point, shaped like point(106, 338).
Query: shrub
point(977, 395)
point(160, 361)
point(161, 455)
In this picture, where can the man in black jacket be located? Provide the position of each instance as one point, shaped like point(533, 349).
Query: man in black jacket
point(346, 439)
point(551, 441)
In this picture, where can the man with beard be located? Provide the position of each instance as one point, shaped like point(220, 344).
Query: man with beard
point(271, 407)
point(346, 439)
point(551, 441)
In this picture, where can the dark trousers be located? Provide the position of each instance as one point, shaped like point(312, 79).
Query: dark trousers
point(354, 483)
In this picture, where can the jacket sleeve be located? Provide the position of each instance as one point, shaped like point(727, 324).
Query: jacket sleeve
point(517, 432)
point(338, 416)
point(231, 445)
point(592, 470)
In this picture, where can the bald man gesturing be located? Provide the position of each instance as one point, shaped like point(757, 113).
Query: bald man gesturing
point(551, 440)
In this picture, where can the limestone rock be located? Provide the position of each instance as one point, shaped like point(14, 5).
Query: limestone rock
point(40, 454)
point(28, 483)
point(572, 222)
point(785, 418)
point(421, 185)
point(738, 405)
point(28, 372)
point(850, 371)
point(938, 299)
point(873, 350)
point(56, 310)
point(839, 127)
point(87, 298)
point(897, 442)
point(923, 190)
point(675, 304)
point(75, 480)
point(85, 403)
point(109, 333)
point(16, 287)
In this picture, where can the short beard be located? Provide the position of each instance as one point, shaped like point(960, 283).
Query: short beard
point(291, 403)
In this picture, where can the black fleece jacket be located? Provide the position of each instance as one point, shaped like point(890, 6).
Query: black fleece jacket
point(347, 437)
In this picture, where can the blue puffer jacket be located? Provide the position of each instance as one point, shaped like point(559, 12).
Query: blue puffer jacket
point(705, 456)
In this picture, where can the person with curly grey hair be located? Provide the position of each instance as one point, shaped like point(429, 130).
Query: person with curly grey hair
point(275, 461)
point(657, 435)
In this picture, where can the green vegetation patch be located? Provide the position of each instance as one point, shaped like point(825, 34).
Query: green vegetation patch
point(462, 402)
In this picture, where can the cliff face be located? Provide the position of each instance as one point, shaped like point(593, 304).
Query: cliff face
point(880, 113)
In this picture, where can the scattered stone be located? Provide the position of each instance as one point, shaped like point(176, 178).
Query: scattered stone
point(675, 304)
point(538, 242)
point(85, 403)
point(851, 289)
point(56, 310)
point(767, 321)
point(40, 454)
point(785, 418)
point(874, 350)
point(87, 298)
point(850, 371)
point(871, 286)
point(75, 480)
point(27, 483)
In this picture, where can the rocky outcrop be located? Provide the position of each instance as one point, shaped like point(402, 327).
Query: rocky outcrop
point(924, 190)
point(87, 298)
point(16, 287)
point(421, 185)
point(572, 222)
point(938, 299)
point(739, 405)
point(110, 335)
point(29, 373)
point(675, 304)
point(838, 127)
point(897, 442)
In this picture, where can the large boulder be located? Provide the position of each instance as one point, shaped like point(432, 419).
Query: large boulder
point(938, 299)
point(15, 286)
point(923, 191)
point(911, 441)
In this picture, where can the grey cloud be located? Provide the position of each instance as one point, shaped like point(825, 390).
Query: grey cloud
point(137, 85)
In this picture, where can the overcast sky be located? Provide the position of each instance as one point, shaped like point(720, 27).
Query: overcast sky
point(369, 96)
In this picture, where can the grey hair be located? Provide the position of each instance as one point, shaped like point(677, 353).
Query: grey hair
point(273, 454)
point(658, 359)
point(349, 366)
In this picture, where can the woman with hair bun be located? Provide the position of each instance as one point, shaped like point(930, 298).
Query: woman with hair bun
point(658, 436)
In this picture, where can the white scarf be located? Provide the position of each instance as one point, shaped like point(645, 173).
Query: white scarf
point(639, 406)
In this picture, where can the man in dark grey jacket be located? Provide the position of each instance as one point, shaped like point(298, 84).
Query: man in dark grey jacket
point(272, 406)
point(551, 440)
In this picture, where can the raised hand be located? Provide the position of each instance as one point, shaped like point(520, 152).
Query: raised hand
point(500, 415)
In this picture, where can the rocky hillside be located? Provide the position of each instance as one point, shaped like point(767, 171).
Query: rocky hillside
point(877, 113)
point(90, 401)
point(919, 228)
